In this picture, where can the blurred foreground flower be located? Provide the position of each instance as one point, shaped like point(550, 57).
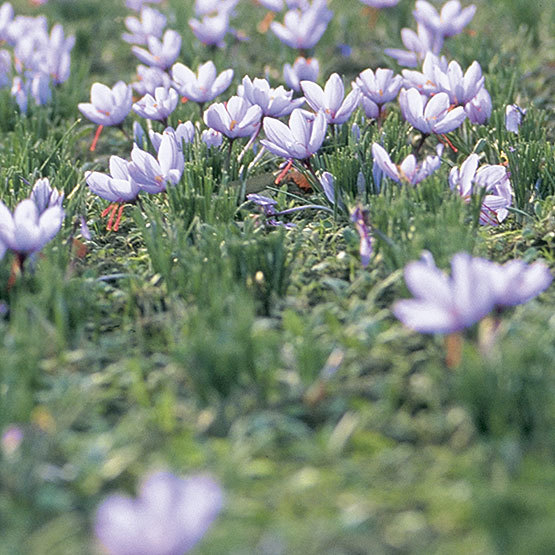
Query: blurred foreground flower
point(169, 516)
point(476, 286)
point(27, 231)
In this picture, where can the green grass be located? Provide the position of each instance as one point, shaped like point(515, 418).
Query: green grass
point(197, 339)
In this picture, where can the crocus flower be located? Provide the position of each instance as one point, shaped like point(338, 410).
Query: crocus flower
point(108, 106)
point(158, 107)
point(36, 86)
point(417, 46)
point(513, 117)
point(154, 174)
point(516, 282)
point(205, 85)
point(211, 138)
point(332, 101)
point(303, 29)
point(56, 55)
point(169, 516)
point(183, 133)
point(360, 218)
point(303, 69)
point(207, 7)
point(27, 231)
point(377, 89)
point(409, 170)
point(451, 20)
point(493, 179)
point(300, 139)
point(430, 116)
point(460, 88)
point(479, 108)
point(119, 186)
point(234, 118)
point(45, 196)
point(444, 304)
point(425, 80)
point(211, 30)
point(162, 53)
point(275, 103)
point(149, 78)
point(151, 23)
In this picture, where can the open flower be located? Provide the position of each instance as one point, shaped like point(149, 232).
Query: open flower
point(108, 106)
point(158, 107)
point(451, 20)
point(119, 186)
point(160, 53)
point(303, 29)
point(408, 171)
point(430, 116)
point(150, 24)
point(274, 102)
point(169, 516)
point(417, 46)
point(154, 174)
point(205, 85)
point(212, 29)
point(235, 118)
point(493, 179)
point(443, 304)
point(300, 139)
point(303, 69)
point(332, 101)
point(27, 231)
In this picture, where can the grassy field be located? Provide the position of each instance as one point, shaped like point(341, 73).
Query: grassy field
point(195, 339)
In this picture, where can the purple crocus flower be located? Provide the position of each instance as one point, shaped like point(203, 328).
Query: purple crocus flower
point(417, 46)
point(234, 118)
point(300, 139)
point(149, 78)
point(205, 85)
point(425, 80)
point(303, 69)
point(212, 29)
point(160, 53)
point(154, 174)
point(108, 106)
point(119, 186)
point(12, 436)
point(513, 117)
point(150, 24)
point(183, 133)
point(45, 196)
point(169, 516)
point(479, 108)
point(207, 7)
point(460, 88)
point(275, 103)
point(493, 179)
point(377, 89)
point(516, 282)
point(444, 304)
point(211, 138)
point(6, 18)
point(27, 231)
point(35, 86)
point(303, 29)
point(430, 116)
point(451, 20)
point(360, 218)
point(408, 171)
point(332, 101)
point(158, 107)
